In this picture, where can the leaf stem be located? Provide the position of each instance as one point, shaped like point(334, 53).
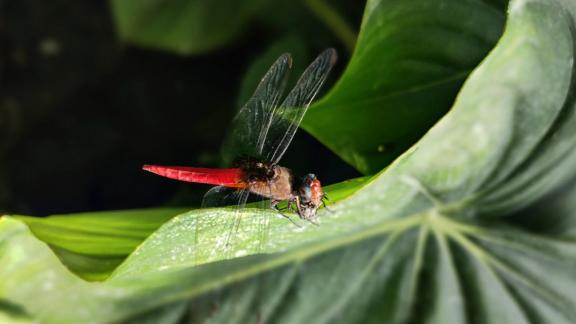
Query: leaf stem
point(334, 21)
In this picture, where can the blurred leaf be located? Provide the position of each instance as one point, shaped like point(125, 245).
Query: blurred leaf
point(291, 44)
point(318, 22)
point(295, 19)
point(411, 244)
point(555, 215)
point(409, 63)
point(333, 20)
point(182, 26)
point(93, 244)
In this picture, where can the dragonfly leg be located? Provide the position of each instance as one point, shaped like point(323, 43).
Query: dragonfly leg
point(299, 207)
point(290, 219)
point(324, 198)
point(292, 206)
point(303, 215)
point(312, 221)
point(274, 205)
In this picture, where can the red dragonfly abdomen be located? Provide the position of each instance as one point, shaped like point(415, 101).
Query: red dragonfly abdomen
point(231, 177)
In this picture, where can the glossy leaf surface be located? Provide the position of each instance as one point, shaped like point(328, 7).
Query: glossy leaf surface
point(430, 239)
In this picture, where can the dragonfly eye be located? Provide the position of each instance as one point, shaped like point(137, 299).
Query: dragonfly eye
point(305, 193)
point(309, 179)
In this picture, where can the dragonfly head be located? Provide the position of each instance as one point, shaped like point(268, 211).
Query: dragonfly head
point(310, 194)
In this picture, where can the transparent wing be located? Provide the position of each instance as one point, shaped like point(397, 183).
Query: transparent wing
point(220, 196)
point(287, 117)
point(229, 232)
point(250, 126)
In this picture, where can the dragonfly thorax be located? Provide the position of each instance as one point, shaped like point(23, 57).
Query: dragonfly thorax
point(267, 179)
point(256, 171)
point(277, 183)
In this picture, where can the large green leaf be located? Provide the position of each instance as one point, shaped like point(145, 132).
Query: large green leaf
point(30, 293)
point(182, 26)
point(412, 244)
point(94, 244)
point(409, 63)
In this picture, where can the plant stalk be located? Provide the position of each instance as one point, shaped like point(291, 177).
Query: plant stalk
point(334, 21)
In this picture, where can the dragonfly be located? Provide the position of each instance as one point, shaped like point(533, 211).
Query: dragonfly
point(260, 134)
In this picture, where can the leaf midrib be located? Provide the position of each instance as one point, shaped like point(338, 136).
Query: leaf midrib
point(492, 263)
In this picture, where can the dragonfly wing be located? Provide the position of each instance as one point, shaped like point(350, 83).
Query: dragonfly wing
point(233, 232)
point(252, 122)
point(220, 196)
point(288, 116)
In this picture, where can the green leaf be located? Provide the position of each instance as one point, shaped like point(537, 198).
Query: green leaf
point(424, 241)
point(182, 26)
point(409, 63)
point(47, 279)
point(555, 215)
point(94, 244)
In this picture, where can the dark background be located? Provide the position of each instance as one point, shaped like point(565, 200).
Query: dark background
point(80, 112)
